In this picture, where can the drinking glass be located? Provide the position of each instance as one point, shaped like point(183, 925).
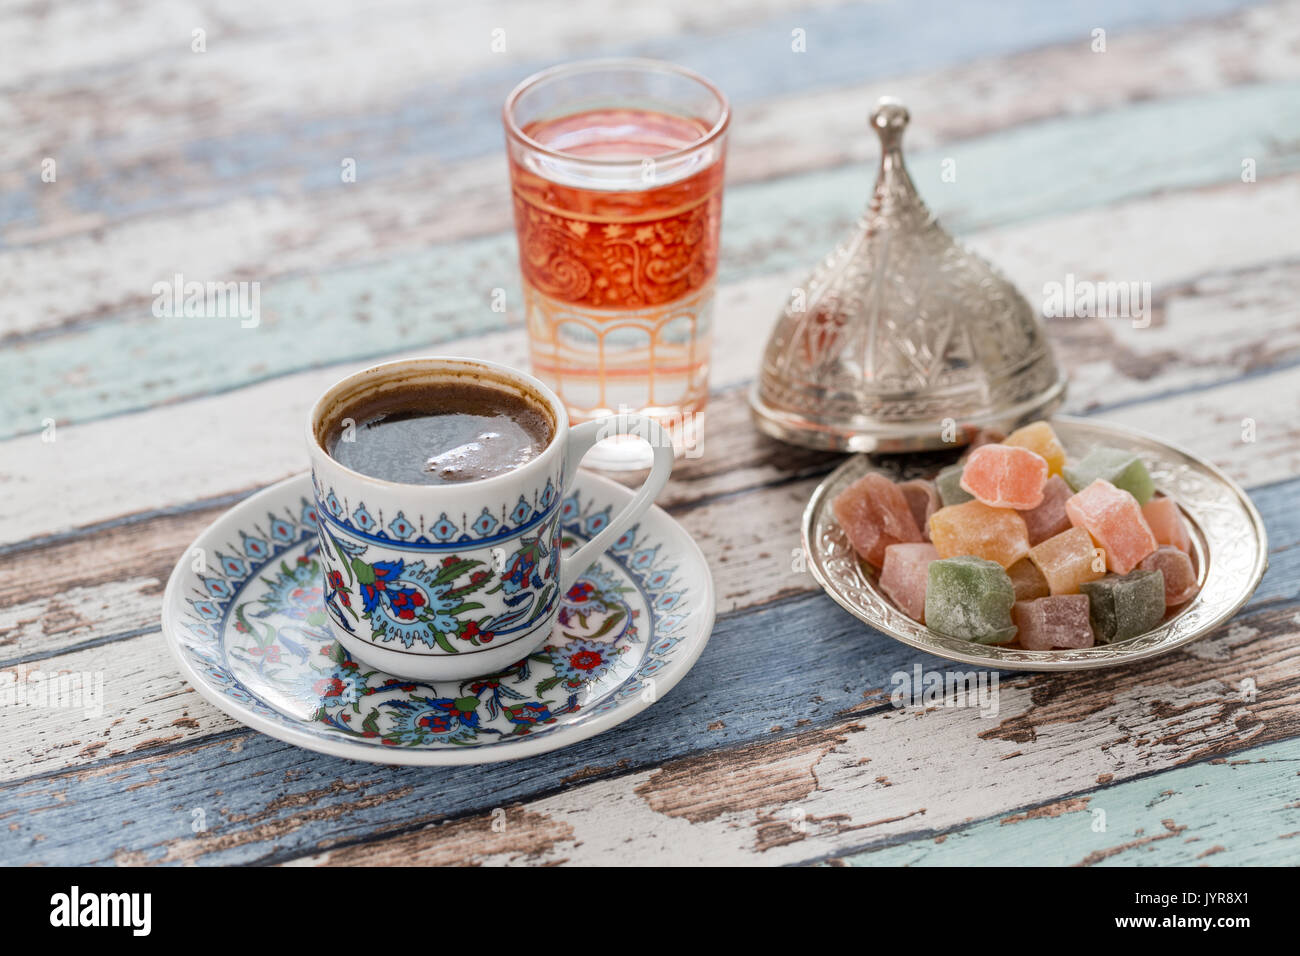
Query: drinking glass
point(616, 173)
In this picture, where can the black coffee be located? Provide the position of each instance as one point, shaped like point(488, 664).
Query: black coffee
point(439, 434)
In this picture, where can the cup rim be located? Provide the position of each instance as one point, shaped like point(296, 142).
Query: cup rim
point(513, 130)
point(391, 367)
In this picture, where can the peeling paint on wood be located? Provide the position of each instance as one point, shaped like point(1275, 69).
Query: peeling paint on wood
point(780, 746)
point(1243, 811)
point(440, 292)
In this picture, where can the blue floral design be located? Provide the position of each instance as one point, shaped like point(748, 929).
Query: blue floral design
point(580, 661)
point(426, 720)
point(259, 637)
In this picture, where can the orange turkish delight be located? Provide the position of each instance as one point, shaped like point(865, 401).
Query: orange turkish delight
point(1027, 580)
point(1039, 438)
point(1003, 476)
point(973, 528)
point(1068, 560)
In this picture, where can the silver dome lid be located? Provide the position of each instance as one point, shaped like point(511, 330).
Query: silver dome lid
point(902, 339)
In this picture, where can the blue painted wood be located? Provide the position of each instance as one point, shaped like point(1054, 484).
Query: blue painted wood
point(252, 782)
point(1222, 813)
point(246, 780)
point(1276, 504)
point(852, 43)
point(803, 659)
point(133, 360)
point(796, 665)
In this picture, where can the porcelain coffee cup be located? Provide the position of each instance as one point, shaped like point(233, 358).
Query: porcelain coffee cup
point(449, 581)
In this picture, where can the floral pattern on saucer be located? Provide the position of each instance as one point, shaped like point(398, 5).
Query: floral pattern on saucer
point(253, 627)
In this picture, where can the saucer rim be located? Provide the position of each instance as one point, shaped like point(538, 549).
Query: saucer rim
point(568, 735)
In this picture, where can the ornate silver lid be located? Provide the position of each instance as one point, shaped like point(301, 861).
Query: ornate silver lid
point(902, 340)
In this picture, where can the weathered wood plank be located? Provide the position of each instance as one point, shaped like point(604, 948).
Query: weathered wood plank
point(264, 124)
point(863, 780)
point(1224, 812)
point(1207, 421)
point(1196, 338)
point(1215, 424)
point(160, 720)
point(423, 46)
point(811, 740)
point(97, 586)
point(134, 360)
point(429, 205)
point(250, 436)
point(153, 709)
point(108, 585)
point(93, 588)
point(165, 713)
point(734, 787)
point(148, 705)
point(259, 162)
point(1254, 45)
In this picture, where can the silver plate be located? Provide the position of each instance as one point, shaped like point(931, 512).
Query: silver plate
point(1228, 539)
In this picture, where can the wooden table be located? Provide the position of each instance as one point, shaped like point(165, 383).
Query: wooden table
point(780, 746)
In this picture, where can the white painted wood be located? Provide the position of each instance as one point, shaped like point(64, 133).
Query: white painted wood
point(144, 702)
point(888, 775)
point(751, 563)
point(421, 44)
point(805, 131)
point(69, 272)
point(78, 614)
point(176, 454)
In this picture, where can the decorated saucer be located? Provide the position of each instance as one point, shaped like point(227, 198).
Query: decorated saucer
point(244, 614)
point(1230, 550)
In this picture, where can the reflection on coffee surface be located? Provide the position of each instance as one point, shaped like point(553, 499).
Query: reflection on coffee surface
point(440, 434)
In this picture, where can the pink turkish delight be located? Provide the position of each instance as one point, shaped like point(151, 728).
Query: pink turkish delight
point(904, 576)
point(1052, 623)
point(1180, 576)
point(1114, 519)
point(874, 514)
point(1166, 523)
point(923, 498)
point(1049, 518)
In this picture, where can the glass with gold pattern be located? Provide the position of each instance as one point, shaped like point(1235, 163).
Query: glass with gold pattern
point(616, 173)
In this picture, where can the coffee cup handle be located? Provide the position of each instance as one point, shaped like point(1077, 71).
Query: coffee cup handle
point(581, 440)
